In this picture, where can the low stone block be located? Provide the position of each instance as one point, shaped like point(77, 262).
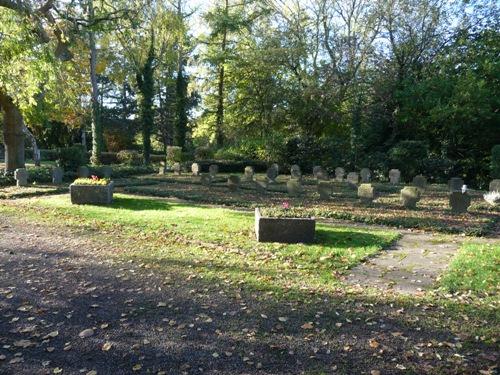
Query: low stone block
point(366, 175)
point(459, 202)
point(420, 182)
point(162, 170)
point(21, 177)
point(177, 168)
point(394, 176)
point(325, 189)
point(295, 172)
point(57, 175)
point(233, 182)
point(366, 192)
point(339, 174)
point(284, 230)
point(272, 174)
point(82, 172)
point(195, 169)
point(455, 184)
point(294, 187)
point(495, 185)
point(91, 194)
point(276, 167)
point(410, 195)
point(249, 173)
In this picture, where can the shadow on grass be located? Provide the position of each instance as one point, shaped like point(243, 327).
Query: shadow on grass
point(138, 204)
point(332, 238)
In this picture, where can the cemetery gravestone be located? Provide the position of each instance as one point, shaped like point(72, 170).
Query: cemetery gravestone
point(162, 168)
point(495, 185)
point(276, 167)
point(459, 202)
point(353, 179)
point(316, 169)
point(366, 175)
point(420, 182)
point(57, 175)
point(233, 182)
point(366, 192)
point(195, 169)
point(107, 171)
point(295, 172)
point(82, 172)
point(177, 168)
point(455, 184)
point(324, 189)
point(394, 176)
point(410, 195)
point(213, 169)
point(21, 177)
point(322, 175)
point(271, 174)
point(249, 172)
point(339, 174)
point(294, 187)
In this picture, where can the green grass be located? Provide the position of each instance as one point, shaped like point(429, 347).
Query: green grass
point(215, 243)
point(475, 268)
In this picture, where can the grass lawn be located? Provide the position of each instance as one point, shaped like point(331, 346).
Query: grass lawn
point(218, 243)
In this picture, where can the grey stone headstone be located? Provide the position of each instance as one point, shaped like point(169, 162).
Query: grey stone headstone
point(213, 169)
point(295, 172)
point(271, 174)
point(410, 195)
point(366, 192)
point(459, 202)
point(366, 175)
point(233, 182)
point(21, 177)
point(420, 182)
point(249, 172)
point(322, 175)
point(316, 170)
point(162, 169)
point(324, 189)
point(455, 184)
point(57, 175)
point(82, 172)
point(277, 167)
point(495, 185)
point(353, 179)
point(195, 169)
point(206, 179)
point(339, 174)
point(107, 171)
point(394, 176)
point(177, 168)
point(261, 185)
point(294, 187)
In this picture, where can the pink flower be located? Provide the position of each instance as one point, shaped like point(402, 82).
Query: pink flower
point(94, 178)
point(286, 205)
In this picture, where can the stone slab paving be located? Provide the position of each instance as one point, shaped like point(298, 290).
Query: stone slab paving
point(411, 266)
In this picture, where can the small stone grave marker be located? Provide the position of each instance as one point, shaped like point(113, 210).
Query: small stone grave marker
point(420, 182)
point(195, 169)
point(295, 172)
point(394, 176)
point(366, 192)
point(272, 174)
point(82, 172)
point(177, 168)
point(410, 195)
point(324, 189)
point(495, 185)
point(455, 184)
point(339, 174)
point(277, 167)
point(459, 202)
point(21, 177)
point(366, 175)
point(316, 170)
point(57, 175)
point(233, 182)
point(249, 172)
point(353, 179)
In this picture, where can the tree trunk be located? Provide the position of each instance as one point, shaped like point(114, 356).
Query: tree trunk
point(181, 94)
point(34, 146)
point(13, 134)
point(219, 120)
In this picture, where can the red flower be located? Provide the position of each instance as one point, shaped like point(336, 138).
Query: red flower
point(94, 178)
point(286, 205)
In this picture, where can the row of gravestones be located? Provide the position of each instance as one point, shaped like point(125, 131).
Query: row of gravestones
point(21, 175)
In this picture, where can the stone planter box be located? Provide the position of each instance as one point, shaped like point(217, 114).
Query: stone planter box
point(284, 229)
point(91, 194)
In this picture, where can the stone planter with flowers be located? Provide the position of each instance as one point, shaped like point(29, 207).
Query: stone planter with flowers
point(93, 190)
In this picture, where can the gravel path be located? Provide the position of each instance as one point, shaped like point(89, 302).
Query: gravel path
point(67, 305)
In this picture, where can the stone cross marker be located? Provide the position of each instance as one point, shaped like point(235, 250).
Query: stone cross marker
point(353, 179)
point(455, 184)
point(213, 169)
point(57, 175)
point(295, 172)
point(339, 174)
point(249, 172)
point(495, 185)
point(107, 171)
point(195, 169)
point(82, 172)
point(294, 187)
point(459, 202)
point(410, 195)
point(177, 168)
point(394, 176)
point(366, 192)
point(366, 175)
point(324, 189)
point(420, 182)
point(233, 182)
point(21, 177)
point(272, 174)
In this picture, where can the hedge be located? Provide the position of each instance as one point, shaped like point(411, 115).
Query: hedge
point(231, 166)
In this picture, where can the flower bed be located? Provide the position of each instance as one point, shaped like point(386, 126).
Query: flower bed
point(91, 191)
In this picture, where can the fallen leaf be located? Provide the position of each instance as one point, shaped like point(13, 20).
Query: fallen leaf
point(106, 346)
point(282, 319)
point(86, 333)
point(307, 326)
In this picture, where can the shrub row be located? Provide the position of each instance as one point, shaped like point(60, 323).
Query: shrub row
point(229, 166)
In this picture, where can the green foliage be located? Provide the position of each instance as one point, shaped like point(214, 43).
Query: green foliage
point(91, 181)
point(129, 157)
point(407, 156)
point(203, 152)
point(174, 155)
point(495, 162)
point(70, 158)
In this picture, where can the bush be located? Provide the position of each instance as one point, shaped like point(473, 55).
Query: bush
point(50, 155)
point(174, 154)
point(129, 157)
point(70, 158)
point(121, 171)
point(109, 158)
point(232, 166)
point(7, 180)
point(156, 158)
point(40, 175)
point(495, 162)
point(203, 153)
point(437, 169)
point(407, 156)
